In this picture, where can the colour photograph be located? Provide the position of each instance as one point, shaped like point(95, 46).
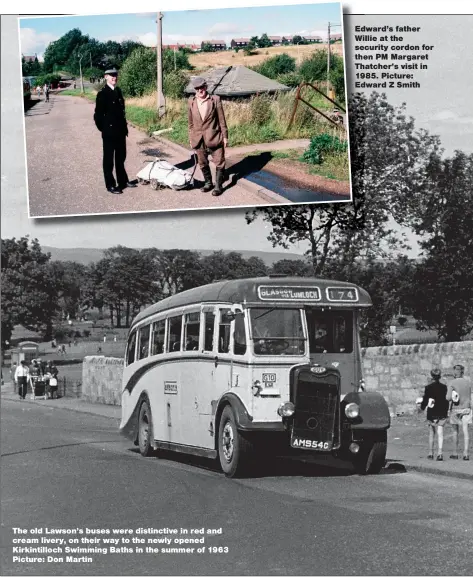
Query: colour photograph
point(185, 110)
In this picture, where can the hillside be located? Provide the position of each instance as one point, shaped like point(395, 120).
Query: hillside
point(88, 255)
point(202, 60)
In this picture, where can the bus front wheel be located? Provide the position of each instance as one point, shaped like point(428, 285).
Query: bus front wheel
point(233, 449)
point(145, 430)
point(371, 458)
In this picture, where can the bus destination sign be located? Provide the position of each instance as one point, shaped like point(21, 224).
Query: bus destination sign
point(289, 293)
point(342, 294)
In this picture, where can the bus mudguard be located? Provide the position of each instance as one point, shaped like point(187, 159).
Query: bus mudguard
point(374, 411)
point(244, 420)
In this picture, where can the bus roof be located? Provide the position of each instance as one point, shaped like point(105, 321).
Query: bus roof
point(261, 290)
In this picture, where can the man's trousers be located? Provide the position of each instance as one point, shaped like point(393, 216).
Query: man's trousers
point(114, 152)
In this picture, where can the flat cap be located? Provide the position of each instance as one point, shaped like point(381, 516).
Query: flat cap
point(111, 71)
point(198, 81)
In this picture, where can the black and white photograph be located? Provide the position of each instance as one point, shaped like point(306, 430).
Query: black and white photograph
point(181, 110)
point(270, 390)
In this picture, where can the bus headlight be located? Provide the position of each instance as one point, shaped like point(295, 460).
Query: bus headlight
point(286, 409)
point(352, 410)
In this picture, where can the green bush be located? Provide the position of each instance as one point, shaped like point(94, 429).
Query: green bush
point(269, 134)
point(86, 333)
point(273, 67)
point(260, 107)
point(314, 67)
point(292, 79)
point(174, 83)
point(322, 144)
point(138, 73)
point(51, 79)
point(180, 58)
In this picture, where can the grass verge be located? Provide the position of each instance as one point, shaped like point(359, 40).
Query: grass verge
point(89, 94)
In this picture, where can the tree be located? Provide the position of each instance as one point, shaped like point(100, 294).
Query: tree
point(207, 47)
point(264, 41)
point(442, 295)
point(298, 39)
point(59, 52)
point(174, 270)
point(127, 284)
point(291, 267)
point(29, 288)
point(70, 278)
point(138, 73)
point(279, 64)
point(388, 162)
point(30, 68)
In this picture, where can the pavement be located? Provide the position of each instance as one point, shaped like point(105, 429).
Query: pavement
point(407, 436)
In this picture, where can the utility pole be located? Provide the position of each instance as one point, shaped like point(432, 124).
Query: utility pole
point(80, 71)
point(90, 54)
point(175, 66)
point(328, 61)
point(159, 65)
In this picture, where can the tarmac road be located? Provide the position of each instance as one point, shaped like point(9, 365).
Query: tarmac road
point(64, 160)
point(63, 469)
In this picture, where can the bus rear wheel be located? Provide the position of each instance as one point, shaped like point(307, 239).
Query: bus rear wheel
point(145, 430)
point(371, 458)
point(233, 449)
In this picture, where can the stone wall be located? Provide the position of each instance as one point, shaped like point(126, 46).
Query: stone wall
point(401, 372)
point(102, 380)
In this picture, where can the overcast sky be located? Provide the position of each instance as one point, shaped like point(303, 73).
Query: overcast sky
point(187, 27)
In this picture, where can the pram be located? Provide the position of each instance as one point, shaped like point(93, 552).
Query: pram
point(38, 387)
point(162, 174)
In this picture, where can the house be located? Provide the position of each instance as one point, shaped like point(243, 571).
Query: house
point(216, 44)
point(312, 39)
point(335, 38)
point(30, 58)
point(239, 42)
point(275, 40)
point(238, 82)
point(287, 39)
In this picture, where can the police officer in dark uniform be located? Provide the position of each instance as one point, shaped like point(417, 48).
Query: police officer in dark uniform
point(110, 119)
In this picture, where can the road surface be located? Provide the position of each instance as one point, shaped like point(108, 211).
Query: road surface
point(68, 470)
point(64, 163)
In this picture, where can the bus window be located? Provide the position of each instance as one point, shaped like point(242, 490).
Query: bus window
point(157, 343)
point(143, 348)
point(191, 331)
point(130, 355)
point(209, 331)
point(224, 332)
point(330, 331)
point(277, 331)
point(239, 336)
point(174, 334)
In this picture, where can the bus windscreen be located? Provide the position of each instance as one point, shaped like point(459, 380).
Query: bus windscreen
point(277, 331)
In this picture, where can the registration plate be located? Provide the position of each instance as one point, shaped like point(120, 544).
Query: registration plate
point(300, 443)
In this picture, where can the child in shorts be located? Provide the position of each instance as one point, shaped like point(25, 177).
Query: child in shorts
point(435, 400)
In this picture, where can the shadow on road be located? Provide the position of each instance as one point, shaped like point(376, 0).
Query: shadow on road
point(275, 466)
point(38, 107)
point(246, 166)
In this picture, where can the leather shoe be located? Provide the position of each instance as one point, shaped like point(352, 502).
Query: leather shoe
point(115, 190)
point(130, 184)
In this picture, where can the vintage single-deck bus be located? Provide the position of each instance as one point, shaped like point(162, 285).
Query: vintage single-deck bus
point(240, 367)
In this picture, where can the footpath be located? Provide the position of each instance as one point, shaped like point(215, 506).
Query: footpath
point(407, 436)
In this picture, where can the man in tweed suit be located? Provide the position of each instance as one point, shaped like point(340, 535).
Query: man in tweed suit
point(208, 133)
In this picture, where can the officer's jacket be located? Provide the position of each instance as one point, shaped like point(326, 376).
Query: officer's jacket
point(109, 113)
point(212, 129)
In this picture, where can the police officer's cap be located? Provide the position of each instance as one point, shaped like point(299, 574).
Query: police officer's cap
point(111, 71)
point(198, 81)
